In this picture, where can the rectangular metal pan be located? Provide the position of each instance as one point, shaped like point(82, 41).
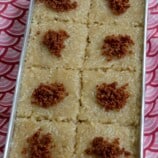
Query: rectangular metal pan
point(19, 77)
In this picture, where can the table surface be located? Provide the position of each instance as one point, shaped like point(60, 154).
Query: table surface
point(13, 16)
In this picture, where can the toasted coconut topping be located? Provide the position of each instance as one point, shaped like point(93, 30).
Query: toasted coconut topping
point(60, 5)
point(117, 46)
point(46, 95)
point(111, 97)
point(106, 149)
point(54, 41)
point(39, 145)
point(119, 6)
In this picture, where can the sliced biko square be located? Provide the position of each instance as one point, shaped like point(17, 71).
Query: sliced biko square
point(69, 10)
point(114, 46)
point(111, 97)
point(94, 140)
point(119, 12)
point(49, 94)
point(49, 139)
point(56, 44)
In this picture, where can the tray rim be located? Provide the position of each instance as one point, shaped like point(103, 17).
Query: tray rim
point(20, 72)
point(142, 118)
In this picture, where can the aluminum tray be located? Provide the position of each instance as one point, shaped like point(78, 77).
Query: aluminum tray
point(18, 83)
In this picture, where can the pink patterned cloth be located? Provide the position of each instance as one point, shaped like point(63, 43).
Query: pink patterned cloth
point(151, 109)
point(13, 14)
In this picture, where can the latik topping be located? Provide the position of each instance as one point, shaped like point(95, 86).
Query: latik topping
point(117, 46)
point(111, 97)
point(46, 95)
point(105, 149)
point(39, 145)
point(60, 5)
point(54, 41)
point(119, 6)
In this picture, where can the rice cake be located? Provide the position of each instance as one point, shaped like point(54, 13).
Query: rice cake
point(94, 57)
point(63, 135)
point(72, 55)
point(92, 111)
point(101, 13)
point(65, 110)
point(80, 14)
point(80, 69)
point(128, 137)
